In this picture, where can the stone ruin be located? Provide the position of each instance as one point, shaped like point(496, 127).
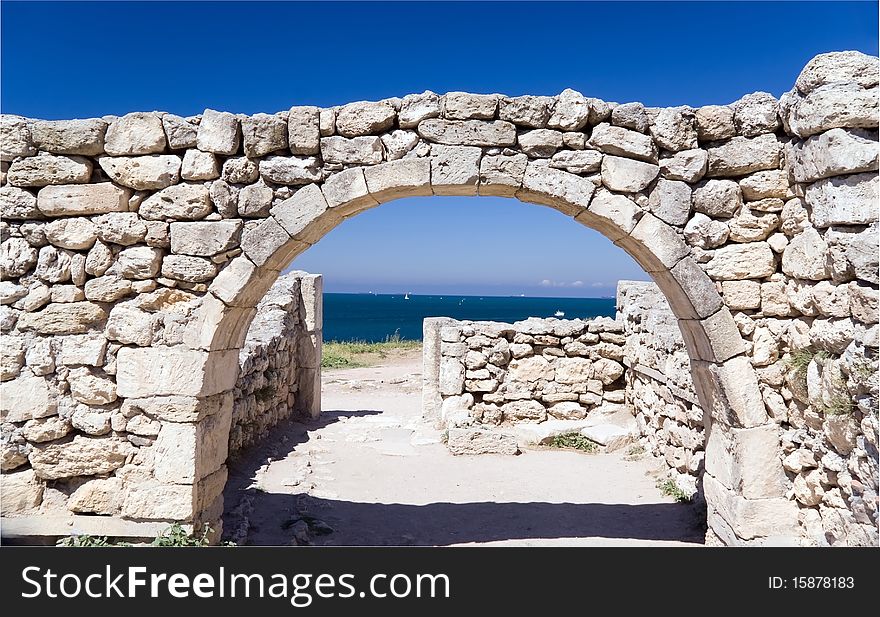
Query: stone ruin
point(135, 250)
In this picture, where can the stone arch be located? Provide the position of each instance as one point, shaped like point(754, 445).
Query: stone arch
point(726, 382)
point(112, 225)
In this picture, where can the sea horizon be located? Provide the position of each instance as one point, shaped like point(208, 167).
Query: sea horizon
point(375, 317)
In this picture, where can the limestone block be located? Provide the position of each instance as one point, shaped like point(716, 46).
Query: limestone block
point(718, 198)
point(73, 200)
point(198, 165)
point(303, 130)
point(746, 461)
point(263, 134)
point(468, 132)
point(188, 452)
point(364, 118)
point(570, 112)
point(417, 107)
point(347, 191)
point(180, 132)
point(269, 246)
point(26, 397)
point(402, 178)
point(561, 190)
point(540, 143)
point(290, 170)
point(751, 260)
point(686, 165)
point(218, 132)
point(84, 137)
point(356, 151)
point(670, 201)
point(240, 170)
point(139, 262)
point(833, 105)
point(17, 257)
point(529, 111)
point(524, 410)
point(729, 391)
point(142, 172)
point(833, 153)
point(755, 114)
point(21, 490)
point(398, 143)
point(80, 456)
point(304, 216)
point(18, 204)
point(743, 155)
point(844, 200)
point(655, 244)
point(805, 256)
point(631, 116)
point(152, 371)
point(714, 122)
point(626, 175)
point(470, 441)
point(577, 161)
point(49, 169)
point(466, 106)
point(188, 268)
point(623, 142)
point(135, 133)
point(674, 128)
point(15, 138)
point(187, 201)
point(75, 233)
point(205, 238)
point(98, 496)
point(67, 318)
point(501, 174)
point(455, 170)
point(109, 288)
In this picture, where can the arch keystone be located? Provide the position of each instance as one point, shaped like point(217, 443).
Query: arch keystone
point(401, 178)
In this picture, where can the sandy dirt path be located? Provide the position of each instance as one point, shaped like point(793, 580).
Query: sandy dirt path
point(372, 471)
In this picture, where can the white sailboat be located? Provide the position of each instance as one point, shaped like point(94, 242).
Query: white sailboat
point(559, 314)
point(406, 296)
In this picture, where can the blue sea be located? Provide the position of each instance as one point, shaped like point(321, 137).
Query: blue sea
point(375, 317)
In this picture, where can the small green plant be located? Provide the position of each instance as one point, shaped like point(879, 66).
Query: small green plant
point(635, 452)
point(574, 441)
point(444, 438)
point(85, 540)
point(173, 536)
point(669, 488)
point(840, 405)
point(799, 360)
point(178, 536)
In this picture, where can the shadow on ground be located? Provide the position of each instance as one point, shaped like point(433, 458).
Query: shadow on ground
point(271, 518)
point(440, 524)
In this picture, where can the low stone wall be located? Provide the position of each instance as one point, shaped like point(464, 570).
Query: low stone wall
point(528, 371)
point(659, 388)
point(279, 362)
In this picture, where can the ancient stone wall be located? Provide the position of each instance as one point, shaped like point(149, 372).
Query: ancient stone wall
point(134, 251)
point(659, 388)
point(283, 344)
point(528, 371)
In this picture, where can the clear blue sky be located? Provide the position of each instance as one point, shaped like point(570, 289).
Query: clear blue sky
point(67, 60)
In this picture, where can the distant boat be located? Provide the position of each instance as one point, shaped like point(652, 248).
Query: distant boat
point(406, 297)
point(559, 314)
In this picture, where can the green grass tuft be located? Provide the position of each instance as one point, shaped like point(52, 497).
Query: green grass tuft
point(669, 488)
point(574, 441)
point(354, 354)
